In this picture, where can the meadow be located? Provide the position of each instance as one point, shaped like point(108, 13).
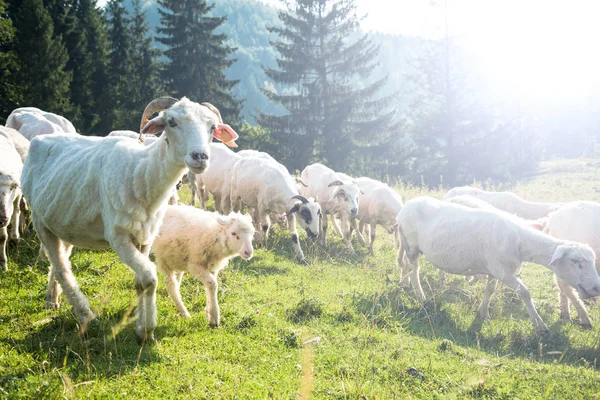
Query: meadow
point(342, 327)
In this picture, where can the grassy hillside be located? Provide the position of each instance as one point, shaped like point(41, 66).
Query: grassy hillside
point(341, 327)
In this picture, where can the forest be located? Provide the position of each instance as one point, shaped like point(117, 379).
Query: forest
point(305, 84)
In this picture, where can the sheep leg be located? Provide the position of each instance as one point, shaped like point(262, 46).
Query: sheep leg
point(174, 199)
point(413, 265)
point(566, 293)
point(25, 216)
point(145, 282)
point(353, 227)
point(401, 263)
point(490, 288)
point(515, 283)
point(61, 274)
point(54, 289)
point(172, 283)
point(179, 276)
point(291, 221)
point(14, 221)
point(217, 199)
point(225, 204)
point(3, 239)
point(347, 233)
point(265, 225)
point(336, 227)
point(361, 227)
point(193, 188)
point(324, 230)
point(373, 234)
point(212, 305)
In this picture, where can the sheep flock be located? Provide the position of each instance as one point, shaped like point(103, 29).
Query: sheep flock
point(125, 198)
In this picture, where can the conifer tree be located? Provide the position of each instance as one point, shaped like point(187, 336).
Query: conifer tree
point(333, 115)
point(9, 91)
point(197, 56)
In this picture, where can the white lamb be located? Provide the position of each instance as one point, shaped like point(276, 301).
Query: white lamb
point(10, 196)
point(506, 201)
point(468, 241)
point(265, 188)
point(120, 197)
point(31, 122)
point(201, 243)
point(378, 205)
point(578, 221)
point(336, 192)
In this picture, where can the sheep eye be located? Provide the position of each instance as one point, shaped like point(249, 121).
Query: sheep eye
point(172, 123)
point(232, 233)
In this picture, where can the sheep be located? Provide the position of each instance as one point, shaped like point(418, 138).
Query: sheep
point(31, 122)
point(578, 221)
point(19, 141)
point(201, 243)
point(378, 206)
point(120, 197)
point(468, 241)
point(506, 201)
point(263, 186)
point(336, 192)
point(10, 196)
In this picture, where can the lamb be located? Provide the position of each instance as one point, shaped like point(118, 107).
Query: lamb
point(19, 141)
point(578, 221)
point(506, 201)
point(10, 196)
point(379, 205)
point(201, 243)
point(31, 122)
point(262, 185)
point(120, 198)
point(336, 192)
point(468, 241)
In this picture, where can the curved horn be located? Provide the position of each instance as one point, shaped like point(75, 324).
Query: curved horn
point(213, 109)
point(335, 183)
point(301, 198)
point(158, 104)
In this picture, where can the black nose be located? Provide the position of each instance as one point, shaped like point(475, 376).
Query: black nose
point(311, 234)
point(3, 221)
point(354, 211)
point(199, 156)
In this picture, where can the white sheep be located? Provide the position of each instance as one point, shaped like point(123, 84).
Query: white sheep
point(19, 141)
point(10, 196)
point(378, 204)
point(578, 221)
point(31, 122)
point(336, 192)
point(264, 187)
point(506, 201)
point(201, 243)
point(120, 197)
point(468, 241)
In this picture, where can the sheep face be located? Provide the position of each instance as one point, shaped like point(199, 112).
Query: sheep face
point(575, 264)
point(309, 216)
point(346, 195)
point(240, 232)
point(8, 193)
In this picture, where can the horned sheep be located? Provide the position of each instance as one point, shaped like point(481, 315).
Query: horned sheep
point(201, 243)
point(468, 241)
point(263, 186)
point(120, 198)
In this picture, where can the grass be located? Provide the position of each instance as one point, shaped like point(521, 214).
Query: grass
point(339, 328)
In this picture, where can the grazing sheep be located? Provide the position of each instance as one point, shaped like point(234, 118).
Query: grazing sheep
point(10, 195)
point(31, 122)
point(201, 243)
point(378, 205)
point(120, 197)
point(578, 221)
point(19, 141)
point(506, 201)
point(336, 192)
point(468, 241)
point(263, 186)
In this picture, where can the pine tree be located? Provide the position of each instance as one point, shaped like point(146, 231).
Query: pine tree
point(197, 55)
point(333, 116)
point(42, 58)
point(10, 95)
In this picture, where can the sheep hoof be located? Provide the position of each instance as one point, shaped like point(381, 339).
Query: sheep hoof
point(543, 330)
point(586, 326)
point(3, 266)
point(52, 305)
point(145, 338)
point(14, 242)
point(303, 261)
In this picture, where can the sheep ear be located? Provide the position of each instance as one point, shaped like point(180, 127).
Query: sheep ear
point(334, 194)
point(335, 183)
point(221, 220)
point(293, 210)
point(154, 126)
point(558, 253)
point(225, 134)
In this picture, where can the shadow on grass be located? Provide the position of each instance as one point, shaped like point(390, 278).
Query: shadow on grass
point(436, 319)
